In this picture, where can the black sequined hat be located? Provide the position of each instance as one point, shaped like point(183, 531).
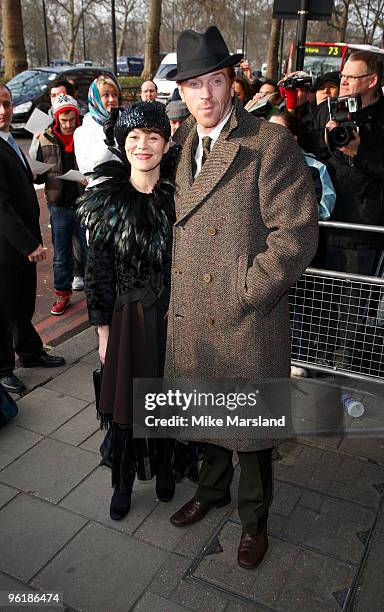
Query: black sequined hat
point(150, 115)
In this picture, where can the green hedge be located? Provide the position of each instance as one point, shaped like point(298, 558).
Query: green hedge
point(130, 81)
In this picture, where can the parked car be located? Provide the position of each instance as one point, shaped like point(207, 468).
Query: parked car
point(30, 89)
point(128, 65)
point(164, 86)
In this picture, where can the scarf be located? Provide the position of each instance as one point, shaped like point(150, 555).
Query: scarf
point(95, 107)
point(67, 140)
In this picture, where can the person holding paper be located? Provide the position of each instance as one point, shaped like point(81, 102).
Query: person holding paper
point(20, 249)
point(56, 147)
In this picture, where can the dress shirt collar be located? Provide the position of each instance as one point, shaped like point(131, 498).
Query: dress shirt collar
point(4, 135)
point(215, 132)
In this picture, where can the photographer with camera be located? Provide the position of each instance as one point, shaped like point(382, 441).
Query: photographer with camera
point(353, 125)
point(296, 91)
point(355, 158)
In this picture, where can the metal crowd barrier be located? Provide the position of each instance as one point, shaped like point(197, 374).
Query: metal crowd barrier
point(337, 319)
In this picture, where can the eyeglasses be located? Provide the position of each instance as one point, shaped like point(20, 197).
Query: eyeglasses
point(349, 77)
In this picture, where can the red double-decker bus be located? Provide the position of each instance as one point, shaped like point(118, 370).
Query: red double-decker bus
point(321, 57)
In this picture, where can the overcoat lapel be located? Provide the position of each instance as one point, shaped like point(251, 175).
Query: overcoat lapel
point(191, 193)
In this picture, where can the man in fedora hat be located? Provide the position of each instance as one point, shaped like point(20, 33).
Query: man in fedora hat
point(246, 229)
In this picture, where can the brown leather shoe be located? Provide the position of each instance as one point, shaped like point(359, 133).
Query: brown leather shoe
point(193, 511)
point(252, 549)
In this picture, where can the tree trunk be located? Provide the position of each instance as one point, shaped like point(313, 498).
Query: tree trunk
point(152, 40)
point(273, 50)
point(72, 35)
point(15, 56)
point(341, 30)
point(123, 33)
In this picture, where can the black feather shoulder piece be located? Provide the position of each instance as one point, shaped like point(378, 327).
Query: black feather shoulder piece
point(137, 224)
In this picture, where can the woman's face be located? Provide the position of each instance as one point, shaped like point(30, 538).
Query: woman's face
point(109, 97)
point(239, 91)
point(145, 149)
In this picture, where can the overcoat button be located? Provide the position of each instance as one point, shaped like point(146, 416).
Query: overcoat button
point(212, 231)
point(210, 321)
point(176, 271)
point(207, 278)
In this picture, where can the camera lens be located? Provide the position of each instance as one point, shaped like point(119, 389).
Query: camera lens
point(340, 136)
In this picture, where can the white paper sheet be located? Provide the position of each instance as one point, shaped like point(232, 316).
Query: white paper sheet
point(38, 122)
point(38, 167)
point(72, 175)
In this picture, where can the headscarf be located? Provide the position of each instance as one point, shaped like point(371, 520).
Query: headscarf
point(95, 106)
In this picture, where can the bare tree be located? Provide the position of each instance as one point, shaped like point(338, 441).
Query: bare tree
point(13, 38)
point(152, 39)
point(73, 18)
point(125, 10)
point(368, 16)
point(339, 20)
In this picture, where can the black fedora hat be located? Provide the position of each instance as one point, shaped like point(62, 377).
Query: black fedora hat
point(198, 54)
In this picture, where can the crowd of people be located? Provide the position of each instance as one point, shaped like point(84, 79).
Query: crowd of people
point(192, 222)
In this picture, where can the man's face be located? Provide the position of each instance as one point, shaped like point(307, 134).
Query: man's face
point(327, 90)
point(266, 90)
point(6, 109)
point(67, 122)
point(365, 84)
point(148, 91)
point(55, 91)
point(175, 124)
point(208, 98)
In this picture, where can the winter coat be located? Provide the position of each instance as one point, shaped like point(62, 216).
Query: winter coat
point(19, 210)
point(50, 151)
point(90, 148)
point(246, 229)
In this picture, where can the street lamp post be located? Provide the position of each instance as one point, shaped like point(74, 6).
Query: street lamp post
point(45, 33)
point(302, 33)
point(244, 26)
point(83, 28)
point(114, 55)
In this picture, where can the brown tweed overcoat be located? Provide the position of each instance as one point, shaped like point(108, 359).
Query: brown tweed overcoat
point(246, 229)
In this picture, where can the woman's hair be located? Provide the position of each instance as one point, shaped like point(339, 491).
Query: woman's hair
point(106, 79)
point(245, 84)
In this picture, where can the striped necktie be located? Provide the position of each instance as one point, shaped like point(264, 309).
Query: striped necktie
point(206, 149)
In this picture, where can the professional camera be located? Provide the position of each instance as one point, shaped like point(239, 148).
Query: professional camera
point(297, 81)
point(343, 110)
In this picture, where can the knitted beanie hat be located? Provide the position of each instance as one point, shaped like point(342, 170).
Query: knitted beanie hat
point(64, 102)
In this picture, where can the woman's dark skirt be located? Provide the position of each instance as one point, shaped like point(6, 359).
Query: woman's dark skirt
point(136, 349)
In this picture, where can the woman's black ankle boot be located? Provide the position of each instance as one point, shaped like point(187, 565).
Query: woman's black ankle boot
point(120, 505)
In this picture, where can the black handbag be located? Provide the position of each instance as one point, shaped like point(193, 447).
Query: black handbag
point(8, 407)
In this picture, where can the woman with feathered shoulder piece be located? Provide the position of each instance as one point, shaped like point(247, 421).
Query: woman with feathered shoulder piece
point(129, 218)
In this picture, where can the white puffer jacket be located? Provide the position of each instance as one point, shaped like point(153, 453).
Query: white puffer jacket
point(90, 148)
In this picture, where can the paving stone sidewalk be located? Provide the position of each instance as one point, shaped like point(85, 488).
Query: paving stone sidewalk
point(326, 527)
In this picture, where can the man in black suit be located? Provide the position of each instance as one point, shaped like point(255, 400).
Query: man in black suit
point(20, 249)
